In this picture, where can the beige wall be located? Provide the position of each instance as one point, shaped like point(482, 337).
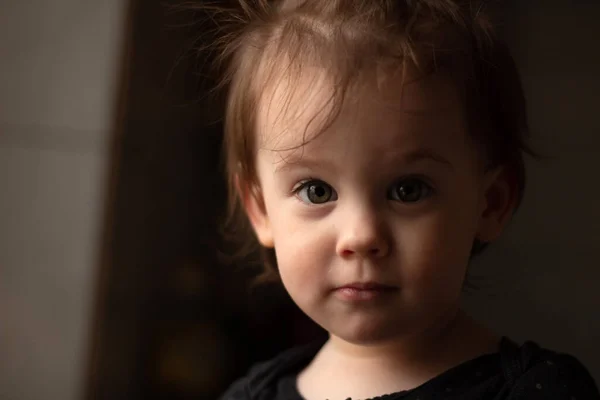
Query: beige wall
point(57, 88)
point(542, 278)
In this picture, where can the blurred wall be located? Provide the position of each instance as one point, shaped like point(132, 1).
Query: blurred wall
point(541, 279)
point(58, 65)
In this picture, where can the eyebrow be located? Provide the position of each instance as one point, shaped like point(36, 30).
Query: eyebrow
point(425, 154)
point(303, 162)
point(408, 158)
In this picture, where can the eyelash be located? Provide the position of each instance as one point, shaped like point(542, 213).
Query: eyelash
point(305, 183)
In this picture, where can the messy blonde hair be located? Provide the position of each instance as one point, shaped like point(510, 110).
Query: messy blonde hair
point(348, 38)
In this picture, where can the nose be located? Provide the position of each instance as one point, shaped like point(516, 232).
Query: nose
point(363, 234)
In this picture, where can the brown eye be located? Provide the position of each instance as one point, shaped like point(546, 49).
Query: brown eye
point(315, 192)
point(410, 190)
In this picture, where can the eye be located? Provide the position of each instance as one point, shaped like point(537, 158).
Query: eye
point(410, 190)
point(315, 192)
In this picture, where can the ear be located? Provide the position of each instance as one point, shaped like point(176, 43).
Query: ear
point(254, 205)
point(499, 202)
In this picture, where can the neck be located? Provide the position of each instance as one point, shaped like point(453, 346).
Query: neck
point(411, 351)
point(404, 363)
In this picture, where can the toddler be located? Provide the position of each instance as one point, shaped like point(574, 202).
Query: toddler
point(374, 148)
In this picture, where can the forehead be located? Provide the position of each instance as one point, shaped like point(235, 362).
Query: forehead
point(393, 110)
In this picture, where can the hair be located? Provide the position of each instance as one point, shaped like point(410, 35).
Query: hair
point(262, 40)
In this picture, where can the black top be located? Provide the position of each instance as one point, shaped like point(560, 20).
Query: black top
point(526, 372)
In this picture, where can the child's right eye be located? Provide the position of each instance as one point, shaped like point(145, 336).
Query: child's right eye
point(315, 192)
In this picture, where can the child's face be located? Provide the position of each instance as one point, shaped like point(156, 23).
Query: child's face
point(391, 194)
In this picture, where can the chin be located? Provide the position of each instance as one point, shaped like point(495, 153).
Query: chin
point(367, 332)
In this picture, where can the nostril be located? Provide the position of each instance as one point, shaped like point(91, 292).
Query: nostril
point(347, 252)
point(371, 252)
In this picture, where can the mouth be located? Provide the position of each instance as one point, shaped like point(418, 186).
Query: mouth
point(363, 291)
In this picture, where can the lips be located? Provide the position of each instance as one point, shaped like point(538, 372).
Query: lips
point(363, 291)
point(367, 286)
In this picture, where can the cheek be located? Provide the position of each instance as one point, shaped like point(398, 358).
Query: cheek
point(302, 262)
point(293, 233)
point(303, 248)
point(436, 251)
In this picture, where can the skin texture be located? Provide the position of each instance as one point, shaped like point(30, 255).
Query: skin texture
point(401, 193)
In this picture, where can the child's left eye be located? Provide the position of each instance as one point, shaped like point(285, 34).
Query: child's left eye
point(410, 190)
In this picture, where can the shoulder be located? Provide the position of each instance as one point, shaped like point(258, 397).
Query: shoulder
point(261, 380)
point(539, 373)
